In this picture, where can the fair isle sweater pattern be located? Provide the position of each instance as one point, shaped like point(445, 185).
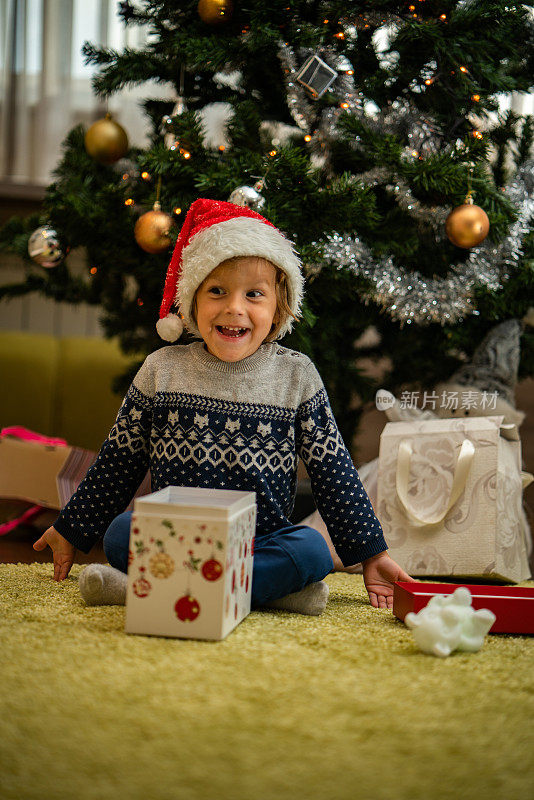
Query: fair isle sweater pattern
point(196, 421)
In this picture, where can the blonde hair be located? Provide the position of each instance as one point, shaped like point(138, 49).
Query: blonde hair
point(283, 309)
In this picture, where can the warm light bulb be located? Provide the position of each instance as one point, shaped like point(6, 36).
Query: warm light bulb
point(177, 210)
point(307, 138)
point(443, 16)
point(272, 153)
point(128, 202)
point(222, 148)
point(344, 105)
point(125, 176)
point(186, 154)
point(145, 176)
point(477, 134)
point(463, 69)
point(475, 97)
point(93, 270)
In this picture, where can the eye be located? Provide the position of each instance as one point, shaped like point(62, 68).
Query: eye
point(254, 293)
point(216, 290)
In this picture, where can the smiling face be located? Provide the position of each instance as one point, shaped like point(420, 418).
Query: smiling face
point(236, 306)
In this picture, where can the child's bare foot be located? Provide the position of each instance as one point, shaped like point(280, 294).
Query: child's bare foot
point(310, 600)
point(102, 585)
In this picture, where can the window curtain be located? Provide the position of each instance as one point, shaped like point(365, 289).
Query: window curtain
point(45, 88)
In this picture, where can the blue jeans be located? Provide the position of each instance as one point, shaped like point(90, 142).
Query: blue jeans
point(284, 561)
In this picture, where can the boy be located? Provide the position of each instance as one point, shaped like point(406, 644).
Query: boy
point(234, 411)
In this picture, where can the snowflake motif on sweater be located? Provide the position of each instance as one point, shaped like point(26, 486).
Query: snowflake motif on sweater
point(196, 421)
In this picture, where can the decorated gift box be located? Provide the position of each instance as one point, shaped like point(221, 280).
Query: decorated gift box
point(512, 605)
point(190, 562)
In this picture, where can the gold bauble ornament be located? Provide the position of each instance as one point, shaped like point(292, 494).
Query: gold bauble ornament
point(215, 12)
point(106, 141)
point(467, 225)
point(152, 230)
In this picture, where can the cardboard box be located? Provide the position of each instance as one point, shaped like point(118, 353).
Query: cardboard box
point(190, 564)
point(28, 470)
point(45, 474)
point(512, 605)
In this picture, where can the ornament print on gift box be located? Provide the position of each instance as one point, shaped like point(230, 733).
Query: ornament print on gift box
point(161, 565)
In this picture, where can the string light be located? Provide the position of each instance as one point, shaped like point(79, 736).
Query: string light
point(140, 302)
point(177, 210)
point(477, 134)
point(344, 105)
point(475, 97)
point(272, 153)
point(340, 35)
point(125, 176)
point(443, 16)
point(307, 138)
point(129, 202)
point(464, 69)
point(145, 176)
point(93, 270)
point(222, 148)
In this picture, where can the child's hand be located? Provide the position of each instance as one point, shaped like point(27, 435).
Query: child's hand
point(379, 574)
point(63, 551)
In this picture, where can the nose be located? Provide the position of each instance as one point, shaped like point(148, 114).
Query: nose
point(235, 304)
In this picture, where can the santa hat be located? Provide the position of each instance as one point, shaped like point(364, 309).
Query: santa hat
point(214, 231)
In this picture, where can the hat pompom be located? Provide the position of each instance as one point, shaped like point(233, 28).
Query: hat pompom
point(170, 328)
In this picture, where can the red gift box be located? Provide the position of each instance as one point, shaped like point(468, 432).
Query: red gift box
point(512, 605)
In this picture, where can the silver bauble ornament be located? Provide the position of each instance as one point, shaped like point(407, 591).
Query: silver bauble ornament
point(247, 196)
point(44, 247)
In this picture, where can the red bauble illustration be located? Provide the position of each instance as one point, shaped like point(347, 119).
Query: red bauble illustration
point(246, 585)
point(141, 587)
point(233, 581)
point(252, 546)
point(130, 557)
point(242, 573)
point(212, 569)
point(187, 608)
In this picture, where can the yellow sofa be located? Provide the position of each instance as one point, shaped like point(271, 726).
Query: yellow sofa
point(61, 386)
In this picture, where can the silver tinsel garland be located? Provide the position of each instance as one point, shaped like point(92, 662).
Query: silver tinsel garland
point(411, 297)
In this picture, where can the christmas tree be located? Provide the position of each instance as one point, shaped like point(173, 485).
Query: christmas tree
point(356, 128)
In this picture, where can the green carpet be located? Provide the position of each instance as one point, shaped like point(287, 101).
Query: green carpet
point(288, 707)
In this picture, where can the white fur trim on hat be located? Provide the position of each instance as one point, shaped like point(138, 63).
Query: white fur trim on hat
point(239, 237)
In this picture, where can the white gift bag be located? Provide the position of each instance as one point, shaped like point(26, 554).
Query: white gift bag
point(449, 498)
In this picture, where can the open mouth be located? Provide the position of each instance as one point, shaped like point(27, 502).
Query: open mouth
point(231, 332)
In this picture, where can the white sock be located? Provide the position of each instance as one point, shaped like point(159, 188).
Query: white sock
point(310, 600)
point(102, 585)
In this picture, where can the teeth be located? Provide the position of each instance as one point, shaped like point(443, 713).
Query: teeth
point(229, 328)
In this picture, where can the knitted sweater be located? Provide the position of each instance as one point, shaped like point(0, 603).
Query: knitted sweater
point(195, 420)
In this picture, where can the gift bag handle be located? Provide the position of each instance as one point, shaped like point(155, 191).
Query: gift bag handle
point(461, 471)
